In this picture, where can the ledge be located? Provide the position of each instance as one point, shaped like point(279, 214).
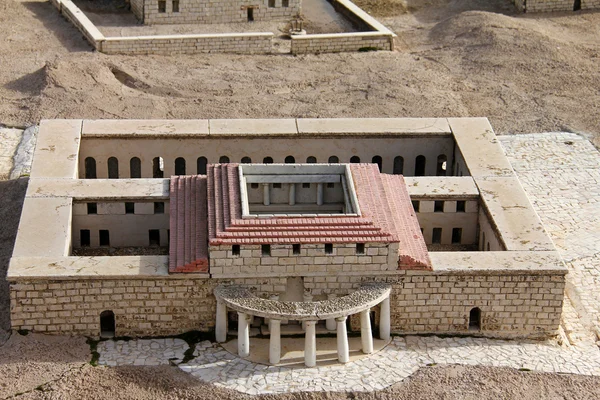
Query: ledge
point(439, 187)
point(107, 189)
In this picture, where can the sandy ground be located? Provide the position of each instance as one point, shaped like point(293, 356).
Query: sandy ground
point(527, 73)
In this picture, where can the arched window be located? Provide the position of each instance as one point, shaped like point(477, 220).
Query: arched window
point(223, 160)
point(246, 160)
point(420, 166)
point(180, 166)
point(355, 159)
point(135, 168)
point(107, 324)
point(201, 165)
point(311, 160)
point(333, 160)
point(158, 167)
point(475, 319)
point(398, 165)
point(90, 168)
point(379, 161)
point(113, 168)
point(441, 165)
point(268, 160)
point(290, 160)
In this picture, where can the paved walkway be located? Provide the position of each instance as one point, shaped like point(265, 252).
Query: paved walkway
point(561, 174)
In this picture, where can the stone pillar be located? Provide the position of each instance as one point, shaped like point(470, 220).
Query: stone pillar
point(310, 344)
point(307, 297)
point(243, 334)
point(342, 340)
point(221, 325)
point(273, 297)
point(365, 332)
point(275, 341)
point(330, 323)
point(266, 194)
point(384, 319)
point(292, 194)
point(320, 193)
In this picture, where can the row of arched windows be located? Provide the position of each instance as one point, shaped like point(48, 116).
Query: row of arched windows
point(135, 165)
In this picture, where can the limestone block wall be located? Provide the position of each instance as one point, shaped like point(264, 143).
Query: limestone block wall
point(71, 12)
point(546, 5)
point(142, 307)
point(217, 11)
point(312, 258)
point(448, 219)
point(238, 43)
point(488, 234)
point(341, 42)
point(137, 8)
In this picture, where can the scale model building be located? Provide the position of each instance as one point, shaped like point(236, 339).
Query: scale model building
point(407, 226)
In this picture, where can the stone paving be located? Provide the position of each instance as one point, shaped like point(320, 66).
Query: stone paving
point(561, 174)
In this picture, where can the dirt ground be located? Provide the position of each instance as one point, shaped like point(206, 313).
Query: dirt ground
point(526, 72)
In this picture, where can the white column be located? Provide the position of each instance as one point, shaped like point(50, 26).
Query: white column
point(330, 323)
point(310, 344)
point(221, 326)
point(384, 319)
point(266, 194)
point(365, 332)
point(342, 340)
point(274, 341)
point(292, 194)
point(243, 334)
point(306, 297)
point(320, 194)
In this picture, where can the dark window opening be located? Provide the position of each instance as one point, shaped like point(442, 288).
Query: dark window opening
point(113, 168)
point(250, 14)
point(577, 5)
point(379, 161)
point(271, 3)
point(330, 185)
point(416, 205)
point(92, 208)
point(158, 167)
point(90, 168)
point(305, 185)
point(311, 160)
point(235, 249)
point(266, 249)
point(135, 168)
point(201, 165)
point(441, 165)
point(355, 159)
point(398, 165)
point(461, 206)
point(360, 248)
point(483, 241)
point(285, 3)
point(223, 160)
point(129, 208)
point(254, 185)
point(246, 160)
point(107, 324)
point(296, 249)
point(420, 166)
point(84, 237)
point(333, 160)
point(154, 237)
point(180, 166)
point(104, 237)
point(328, 248)
point(475, 319)
point(176, 6)
point(456, 235)
point(162, 6)
point(277, 186)
point(488, 246)
point(159, 207)
point(290, 160)
point(438, 206)
point(268, 160)
point(436, 238)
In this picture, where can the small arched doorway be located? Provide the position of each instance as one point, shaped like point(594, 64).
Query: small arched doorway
point(475, 319)
point(107, 324)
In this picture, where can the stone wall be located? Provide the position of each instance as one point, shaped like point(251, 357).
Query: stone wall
point(142, 307)
point(239, 43)
point(218, 11)
point(71, 12)
point(137, 8)
point(341, 42)
point(311, 259)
